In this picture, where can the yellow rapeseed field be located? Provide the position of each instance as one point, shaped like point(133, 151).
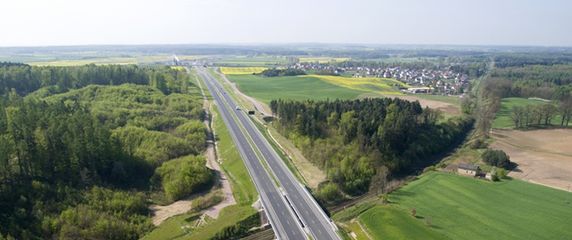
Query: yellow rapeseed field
point(241, 70)
point(371, 84)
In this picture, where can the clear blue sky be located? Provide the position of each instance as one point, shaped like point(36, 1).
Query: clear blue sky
point(474, 22)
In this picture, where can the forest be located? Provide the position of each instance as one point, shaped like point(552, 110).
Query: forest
point(81, 161)
point(361, 143)
point(550, 82)
point(25, 79)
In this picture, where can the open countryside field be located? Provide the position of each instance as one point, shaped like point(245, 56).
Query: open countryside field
point(266, 89)
point(543, 156)
point(369, 84)
point(387, 222)
point(241, 70)
point(320, 87)
point(503, 117)
point(466, 208)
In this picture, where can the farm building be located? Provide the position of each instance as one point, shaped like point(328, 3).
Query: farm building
point(468, 169)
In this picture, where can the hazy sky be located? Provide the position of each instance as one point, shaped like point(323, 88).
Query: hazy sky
point(79, 22)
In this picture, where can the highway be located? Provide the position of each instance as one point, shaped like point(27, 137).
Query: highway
point(283, 220)
point(316, 222)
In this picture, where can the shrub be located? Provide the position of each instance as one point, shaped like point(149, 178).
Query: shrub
point(478, 144)
point(184, 176)
point(497, 158)
point(329, 193)
point(153, 146)
point(207, 201)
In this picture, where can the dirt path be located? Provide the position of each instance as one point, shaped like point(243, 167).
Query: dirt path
point(213, 163)
point(543, 156)
point(162, 213)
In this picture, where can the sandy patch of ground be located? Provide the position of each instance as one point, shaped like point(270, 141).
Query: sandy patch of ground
point(447, 108)
point(543, 156)
point(162, 213)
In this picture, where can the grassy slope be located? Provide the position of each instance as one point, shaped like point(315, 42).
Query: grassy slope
point(466, 208)
point(298, 88)
point(386, 222)
point(503, 119)
point(243, 190)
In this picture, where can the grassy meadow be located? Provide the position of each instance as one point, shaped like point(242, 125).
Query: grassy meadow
point(503, 117)
point(387, 222)
point(266, 89)
point(465, 208)
point(316, 87)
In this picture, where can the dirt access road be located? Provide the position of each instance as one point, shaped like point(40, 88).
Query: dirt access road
point(543, 156)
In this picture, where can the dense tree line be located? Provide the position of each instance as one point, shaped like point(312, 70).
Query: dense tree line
point(544, 114)
point(277, 72)
point(48, 150)
point(77, 163)
point(352, 139)
point(552, 82)
point(25, 79)
point(536, 58)
point(549, 82)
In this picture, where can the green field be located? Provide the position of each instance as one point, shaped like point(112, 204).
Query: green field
point(182, 226)
point(466, 208)
point(386, 222)
point(296, 88)
point(455, 100)
point(503, 116)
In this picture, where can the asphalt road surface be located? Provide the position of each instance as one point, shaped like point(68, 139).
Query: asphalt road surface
point(306, 208)
point(283, 220)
